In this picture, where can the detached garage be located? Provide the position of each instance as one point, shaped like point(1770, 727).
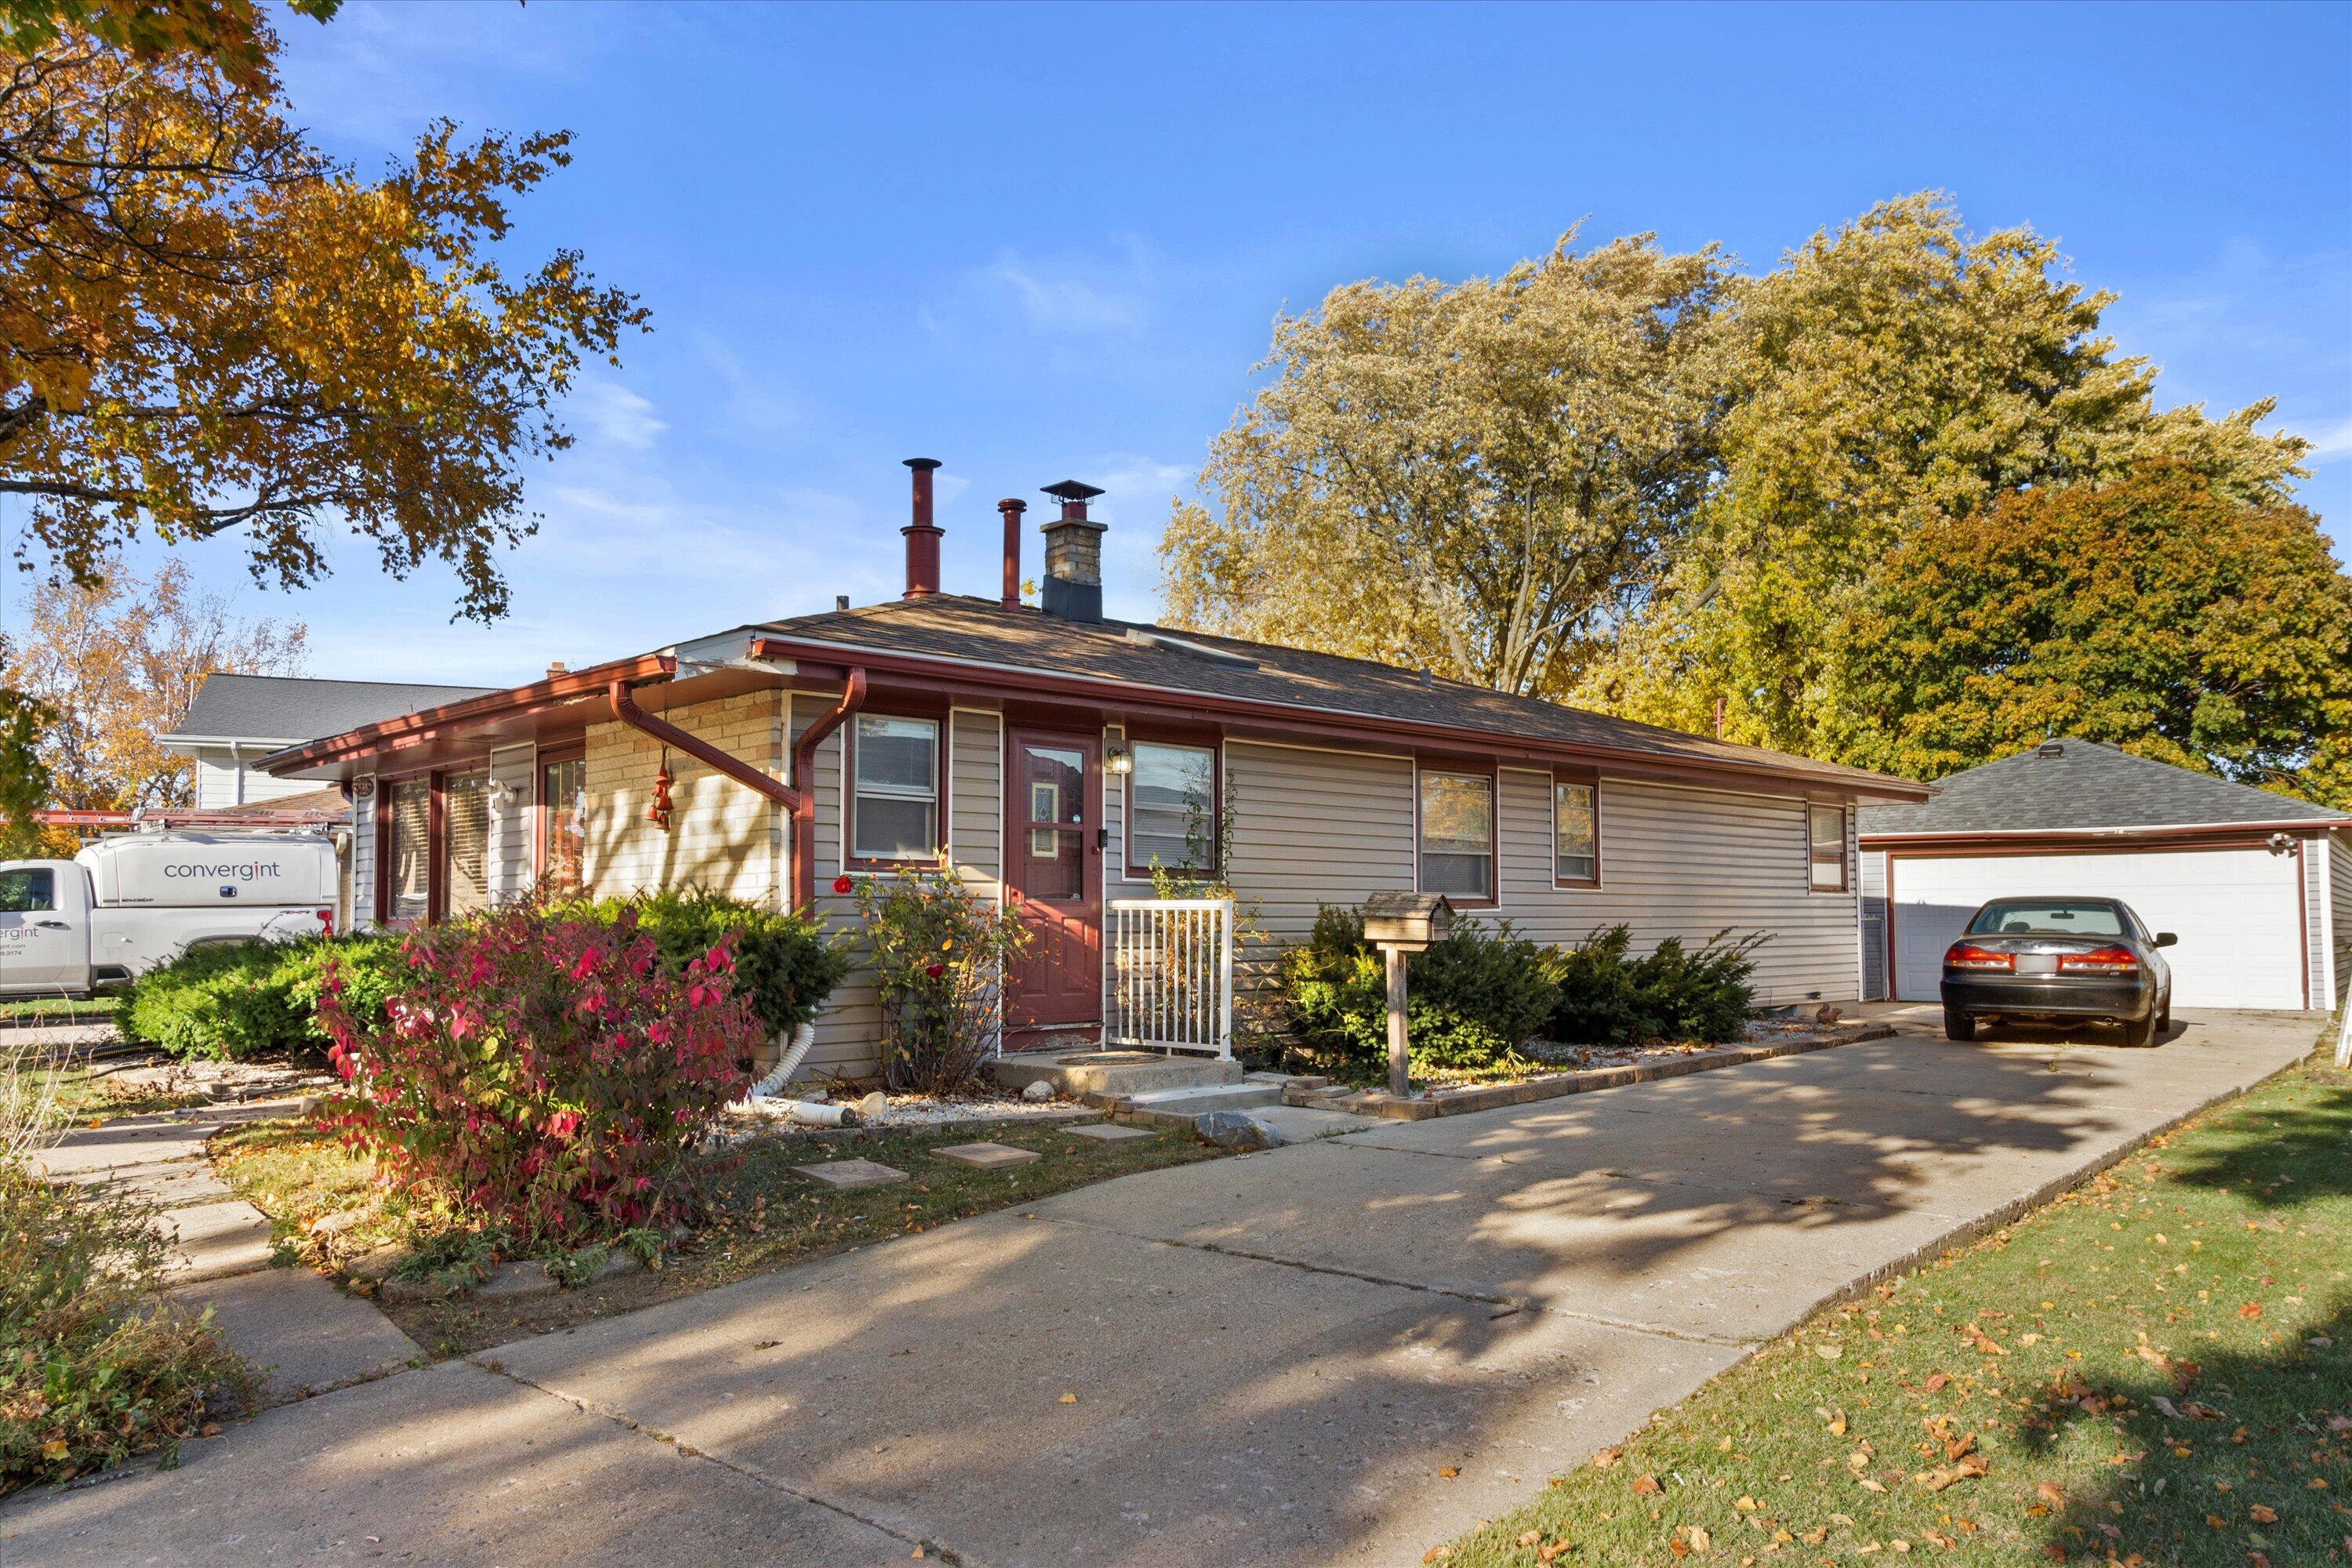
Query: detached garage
point(2257, 886)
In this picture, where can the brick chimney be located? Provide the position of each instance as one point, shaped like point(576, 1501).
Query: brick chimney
point(1073, 584)
point(923, 534)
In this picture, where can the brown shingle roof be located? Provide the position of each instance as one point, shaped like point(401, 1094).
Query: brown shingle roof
point(955, 626)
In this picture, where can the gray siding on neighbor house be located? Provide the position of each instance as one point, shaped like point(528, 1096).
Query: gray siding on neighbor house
point(224, 778)
point(2339, 884)
point(2318, 963)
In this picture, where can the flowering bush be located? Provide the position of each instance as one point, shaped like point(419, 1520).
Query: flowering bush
point(938, 965)
point(543, 1070)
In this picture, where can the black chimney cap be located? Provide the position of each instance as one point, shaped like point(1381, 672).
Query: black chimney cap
point(1073, 490)
point(923, 463)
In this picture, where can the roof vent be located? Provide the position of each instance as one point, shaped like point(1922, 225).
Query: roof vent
point(1145, 637)
point(1428, 678)
point(2051, 749)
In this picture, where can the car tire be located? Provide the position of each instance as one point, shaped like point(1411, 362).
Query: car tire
point(1958, 1025)
point(2164, 1016)
point(2140, 1031)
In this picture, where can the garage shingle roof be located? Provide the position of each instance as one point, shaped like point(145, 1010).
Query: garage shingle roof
point(296, 708)
point(2085, 785)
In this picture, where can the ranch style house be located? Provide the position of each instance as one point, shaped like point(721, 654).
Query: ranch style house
point(1062, 755)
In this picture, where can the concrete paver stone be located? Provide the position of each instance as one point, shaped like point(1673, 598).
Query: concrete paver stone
point(849, 1174)
point(986, 1156)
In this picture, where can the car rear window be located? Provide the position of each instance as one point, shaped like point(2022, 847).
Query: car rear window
point(2047, 916)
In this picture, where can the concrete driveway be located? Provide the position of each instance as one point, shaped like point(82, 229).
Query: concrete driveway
point(1266, 1359)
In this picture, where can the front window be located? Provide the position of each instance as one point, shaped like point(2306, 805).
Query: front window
point(1172, 808)
point(562, 826)
point(895, 813)
point(408, 814)
point(1457, 835)
point(465, 819)
point(1828, 838)
point(28, 889)
point(1575, 834)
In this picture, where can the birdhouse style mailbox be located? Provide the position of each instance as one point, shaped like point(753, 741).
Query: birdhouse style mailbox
point(1408, 921)
point(1399, 924)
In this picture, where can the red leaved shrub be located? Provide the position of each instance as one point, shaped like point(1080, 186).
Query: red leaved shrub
point(543, 1070)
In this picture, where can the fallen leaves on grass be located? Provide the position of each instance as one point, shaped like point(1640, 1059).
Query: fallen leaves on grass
point(1646, 1485)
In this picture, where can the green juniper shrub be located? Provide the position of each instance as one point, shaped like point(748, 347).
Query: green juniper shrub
point(96, 1363)
point(784, 963)
point(231, 1000)
point(1675, 993)
point(1472, 1000)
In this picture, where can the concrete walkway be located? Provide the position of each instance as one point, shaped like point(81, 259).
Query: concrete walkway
point(297, 1331)
point(1275, 1359)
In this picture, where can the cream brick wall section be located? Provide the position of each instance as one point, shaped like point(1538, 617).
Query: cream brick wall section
point(722, 835)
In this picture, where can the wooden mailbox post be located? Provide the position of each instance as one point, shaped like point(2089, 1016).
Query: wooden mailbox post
point(1398, 925)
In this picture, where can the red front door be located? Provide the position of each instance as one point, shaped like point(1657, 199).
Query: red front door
point(1053, 810)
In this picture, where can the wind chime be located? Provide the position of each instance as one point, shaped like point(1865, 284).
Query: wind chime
point(658, 812)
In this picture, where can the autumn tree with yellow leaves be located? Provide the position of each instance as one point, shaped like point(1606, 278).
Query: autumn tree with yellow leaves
point(208, 328)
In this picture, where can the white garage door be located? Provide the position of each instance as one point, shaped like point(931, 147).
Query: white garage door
point(2233, 909)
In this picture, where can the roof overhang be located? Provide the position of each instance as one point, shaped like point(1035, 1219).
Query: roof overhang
point(520, 714)
point(2147, 836)
point(813, 659)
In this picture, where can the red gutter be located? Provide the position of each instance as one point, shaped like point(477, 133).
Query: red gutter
point(627, 711)
point(2030, 840)
point(414, 728)
point(944, 673)
point(853, 698)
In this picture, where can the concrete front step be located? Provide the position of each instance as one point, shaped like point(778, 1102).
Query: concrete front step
point(1185, 1106)
point(1088, 1074)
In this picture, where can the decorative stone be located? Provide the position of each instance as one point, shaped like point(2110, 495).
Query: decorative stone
point(986, 1156)
point(616, 1264)
point(1235, 1130)
point(874, 1106)
point(526, 1277)
point(849, 1174)
point(1107, 1132)
point(337, 1223)
point(1037, 1090)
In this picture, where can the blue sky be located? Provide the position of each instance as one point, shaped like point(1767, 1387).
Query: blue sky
point(1039, 243)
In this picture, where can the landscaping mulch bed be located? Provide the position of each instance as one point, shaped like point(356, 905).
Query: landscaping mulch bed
point(2155, 1369)
point(1611, 1067)
point(763, 1217)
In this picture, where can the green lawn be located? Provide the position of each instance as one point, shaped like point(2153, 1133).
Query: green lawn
point(763, 1217)
point(58, 1010)
point(2155, 1370)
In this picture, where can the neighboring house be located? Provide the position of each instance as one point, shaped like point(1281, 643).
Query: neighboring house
point(2257, 886)
point(1058, 754)
point(238, 720)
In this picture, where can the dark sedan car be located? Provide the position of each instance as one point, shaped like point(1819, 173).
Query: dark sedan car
point(2058, 961)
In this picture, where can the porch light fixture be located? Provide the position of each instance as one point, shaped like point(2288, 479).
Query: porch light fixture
point(1117, 757)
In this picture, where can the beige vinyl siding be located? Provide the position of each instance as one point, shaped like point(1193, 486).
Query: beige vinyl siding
point(849, 1032)
point(721, 835)
point(1310, 827)
point(362, 869)
point(508, 861)
point(1682, 862)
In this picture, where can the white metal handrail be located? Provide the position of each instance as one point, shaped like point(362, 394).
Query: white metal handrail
point(1168, 975)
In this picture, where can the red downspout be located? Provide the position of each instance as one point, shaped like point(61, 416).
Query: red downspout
point(627, 711)
point(853, 698)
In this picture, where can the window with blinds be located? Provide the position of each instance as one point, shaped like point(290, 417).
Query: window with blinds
point(465, 828)
point(408, 879)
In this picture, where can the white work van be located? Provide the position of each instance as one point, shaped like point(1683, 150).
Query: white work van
point(126, 904)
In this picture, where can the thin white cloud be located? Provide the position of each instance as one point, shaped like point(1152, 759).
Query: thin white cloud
point(616, 415)
point(2332, 443)
point(1072, 298)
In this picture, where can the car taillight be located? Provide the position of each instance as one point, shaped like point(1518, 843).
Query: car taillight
point(1969, 955)
point(2100, 960)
